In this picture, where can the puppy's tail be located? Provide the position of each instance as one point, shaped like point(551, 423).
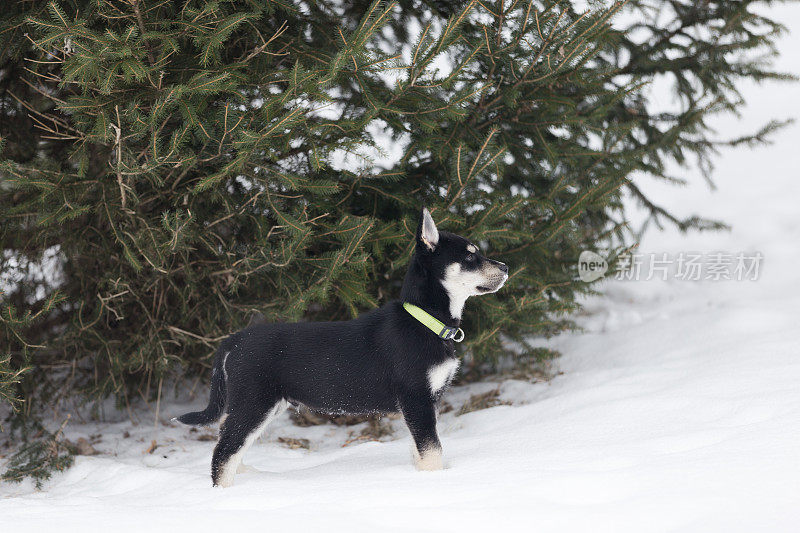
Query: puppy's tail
point(216, 402)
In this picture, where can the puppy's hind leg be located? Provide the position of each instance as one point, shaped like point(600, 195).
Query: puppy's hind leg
point(237, 434)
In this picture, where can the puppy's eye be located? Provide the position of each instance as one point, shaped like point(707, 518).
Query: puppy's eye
point(471, 258)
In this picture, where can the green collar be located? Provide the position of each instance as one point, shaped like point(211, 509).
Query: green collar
point(433, 324)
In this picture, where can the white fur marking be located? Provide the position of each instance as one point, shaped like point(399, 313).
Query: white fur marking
point(431, 459)
point(471, 248)
point(460, 285)
point(439, 376)
point(231, 466)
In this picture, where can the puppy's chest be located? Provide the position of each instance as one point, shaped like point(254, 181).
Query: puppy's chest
point(441, 374)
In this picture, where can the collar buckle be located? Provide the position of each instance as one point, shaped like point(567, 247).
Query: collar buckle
point(450, 334)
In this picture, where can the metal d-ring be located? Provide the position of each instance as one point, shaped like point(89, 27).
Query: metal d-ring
point(458, 330)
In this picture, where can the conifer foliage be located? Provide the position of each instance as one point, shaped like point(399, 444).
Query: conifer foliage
point(187, 164)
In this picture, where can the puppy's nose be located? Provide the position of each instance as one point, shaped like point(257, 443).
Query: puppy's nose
point(502, 266)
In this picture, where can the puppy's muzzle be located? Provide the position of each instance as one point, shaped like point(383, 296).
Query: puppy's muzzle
point(496, 277)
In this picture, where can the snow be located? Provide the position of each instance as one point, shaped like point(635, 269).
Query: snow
point(45, 273)
point(677, 410)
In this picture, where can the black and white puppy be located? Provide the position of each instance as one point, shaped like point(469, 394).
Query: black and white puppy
point(384, 361)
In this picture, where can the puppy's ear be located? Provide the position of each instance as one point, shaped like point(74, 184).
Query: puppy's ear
point(427, 234)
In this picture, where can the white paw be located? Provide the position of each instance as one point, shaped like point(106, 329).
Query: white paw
point(243, 468)
point(429, 459)
point(225, 482)
point(226, 476)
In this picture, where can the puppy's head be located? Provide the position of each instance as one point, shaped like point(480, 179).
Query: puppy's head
point(457, 263)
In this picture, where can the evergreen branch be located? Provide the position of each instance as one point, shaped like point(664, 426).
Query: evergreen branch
point(142, 31)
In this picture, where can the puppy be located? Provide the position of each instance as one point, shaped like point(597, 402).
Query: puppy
point(398, 358)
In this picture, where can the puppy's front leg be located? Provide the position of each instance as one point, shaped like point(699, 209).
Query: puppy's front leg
point(420, 416)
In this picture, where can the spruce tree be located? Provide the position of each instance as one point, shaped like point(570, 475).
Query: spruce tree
point(188, 164)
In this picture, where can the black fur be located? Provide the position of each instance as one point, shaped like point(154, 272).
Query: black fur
point(216, 402)
point(377, 363)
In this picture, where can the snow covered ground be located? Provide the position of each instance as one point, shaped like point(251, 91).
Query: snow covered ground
point(678, 410)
